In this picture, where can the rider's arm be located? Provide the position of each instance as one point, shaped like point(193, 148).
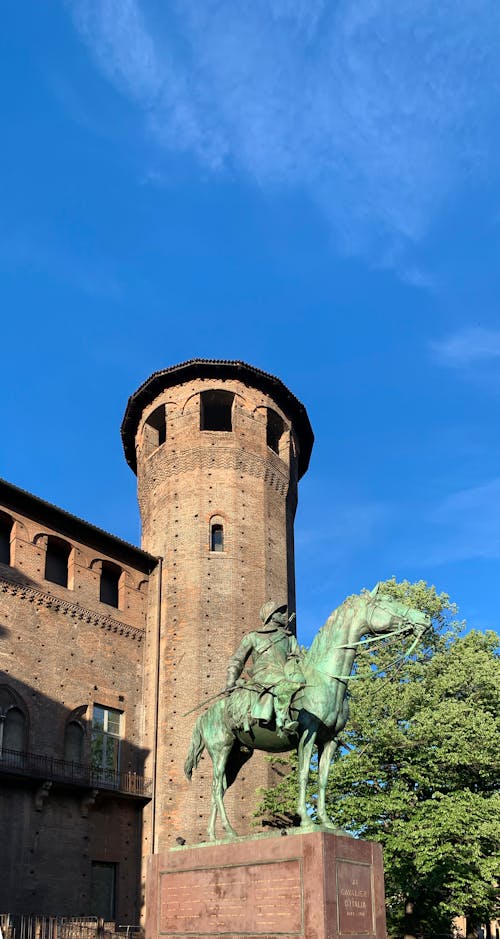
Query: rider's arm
point(294, 648)
point(236, 663)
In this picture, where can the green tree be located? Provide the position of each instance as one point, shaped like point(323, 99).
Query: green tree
point(418, 769)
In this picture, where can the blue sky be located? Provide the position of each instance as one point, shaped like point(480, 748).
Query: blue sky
point(313, 187)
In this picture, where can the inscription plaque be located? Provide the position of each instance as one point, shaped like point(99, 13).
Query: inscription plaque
point(315, 884)
point(354, 898)
point(256, 899)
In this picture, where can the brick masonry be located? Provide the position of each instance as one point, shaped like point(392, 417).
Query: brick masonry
point(182, 611)
point(210, 599)
point(62, 651)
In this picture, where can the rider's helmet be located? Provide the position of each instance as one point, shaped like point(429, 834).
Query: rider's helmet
point(269, 608)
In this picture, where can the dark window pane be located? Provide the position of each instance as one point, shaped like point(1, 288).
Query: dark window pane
point(5, 533)
point(110, 577)
point(216, 410)
point(73, 742)
point(156, 427)
point(217, 538)
point(56, 562)
point(14, 730)
point(102, 890)
point(274, 430)
point(106, 726)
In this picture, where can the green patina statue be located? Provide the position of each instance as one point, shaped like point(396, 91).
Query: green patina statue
point(275, 674)
point(292, 700)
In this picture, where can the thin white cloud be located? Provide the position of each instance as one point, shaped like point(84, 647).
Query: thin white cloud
point(34, 250)
point(345, 528)
point(467, 525)
point(379, 111)
point(468, 347)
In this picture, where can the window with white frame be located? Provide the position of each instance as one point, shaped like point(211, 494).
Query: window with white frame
point(106, 732)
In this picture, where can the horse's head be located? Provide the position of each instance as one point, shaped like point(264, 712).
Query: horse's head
point(386, 614)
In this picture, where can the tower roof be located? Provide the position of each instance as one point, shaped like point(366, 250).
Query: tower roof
point(221, 369)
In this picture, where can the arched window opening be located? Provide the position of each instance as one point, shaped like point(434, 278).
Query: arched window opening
point(14, 730)
point(6, 525)
point(274, 430)
point(73, 742)
point(56, 561)
point(155, 429)
point(216, 537)
point(109, 586)
point(216, 410)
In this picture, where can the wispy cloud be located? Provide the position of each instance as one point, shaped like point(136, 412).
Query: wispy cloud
point(34, 250)
point(468, 348)
point(467, 525)
point(377, 110)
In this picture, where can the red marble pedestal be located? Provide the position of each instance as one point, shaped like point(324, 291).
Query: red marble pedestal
point(317, 885)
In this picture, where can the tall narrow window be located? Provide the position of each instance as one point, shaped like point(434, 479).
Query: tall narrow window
point(216, 410)
point(106, 726)
point(103, 890)
point(73, 742)
point(14, 730)
point(155, 428)
point(13, 726)
point(274, 430)
point(56, 561)
point(110, 579)
point(216, 537)
point(5, 537)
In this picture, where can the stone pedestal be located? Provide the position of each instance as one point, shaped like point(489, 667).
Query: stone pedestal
point(317, 885)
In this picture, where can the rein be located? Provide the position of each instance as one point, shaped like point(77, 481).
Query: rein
point(397, 662)
point(361, 642)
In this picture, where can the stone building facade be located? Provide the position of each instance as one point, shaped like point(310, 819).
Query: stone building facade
point(105, 647)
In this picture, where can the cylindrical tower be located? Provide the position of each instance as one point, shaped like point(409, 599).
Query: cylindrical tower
point(218, 448)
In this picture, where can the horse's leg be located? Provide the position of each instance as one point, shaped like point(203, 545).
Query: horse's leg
point(305, 750)
point(211, 820)
point(325, 758)
point(219, 787)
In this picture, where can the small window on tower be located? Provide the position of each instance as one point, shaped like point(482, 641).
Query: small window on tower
point(216, 537)
point(56, 561)
point(6, 524)
point(274, 430)
point(216, 410)
point(155, 429)
point(110, 581)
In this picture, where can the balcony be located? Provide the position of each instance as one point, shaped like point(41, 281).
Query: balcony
point(19, 764)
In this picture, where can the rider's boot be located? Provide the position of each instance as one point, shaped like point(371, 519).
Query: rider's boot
point(284, 724)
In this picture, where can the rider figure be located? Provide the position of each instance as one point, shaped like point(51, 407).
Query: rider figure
point(275, 671)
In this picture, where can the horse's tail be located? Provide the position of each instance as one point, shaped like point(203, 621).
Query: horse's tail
point(196, 748)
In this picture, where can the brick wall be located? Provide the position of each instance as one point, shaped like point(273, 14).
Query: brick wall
point(210, 599)
point(62, 651)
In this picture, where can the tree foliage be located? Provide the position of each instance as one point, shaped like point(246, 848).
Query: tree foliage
point(417, 769)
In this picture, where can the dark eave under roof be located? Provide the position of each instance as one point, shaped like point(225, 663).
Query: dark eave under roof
point(222, 369)
point(24, 503)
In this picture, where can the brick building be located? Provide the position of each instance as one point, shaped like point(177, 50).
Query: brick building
point(104, 647)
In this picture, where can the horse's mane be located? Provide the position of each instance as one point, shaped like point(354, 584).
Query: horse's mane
point(332, 631)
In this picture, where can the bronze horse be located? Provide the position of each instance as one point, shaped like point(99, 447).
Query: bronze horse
point(320, 706)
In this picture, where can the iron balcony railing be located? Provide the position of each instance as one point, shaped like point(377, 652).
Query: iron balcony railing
point(41, 766)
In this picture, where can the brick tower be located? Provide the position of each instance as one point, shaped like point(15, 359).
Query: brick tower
point(218, 448)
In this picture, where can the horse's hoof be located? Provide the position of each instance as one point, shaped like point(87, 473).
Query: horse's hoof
point(308, 825)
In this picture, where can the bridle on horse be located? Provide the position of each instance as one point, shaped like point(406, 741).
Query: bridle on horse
point(407, 626)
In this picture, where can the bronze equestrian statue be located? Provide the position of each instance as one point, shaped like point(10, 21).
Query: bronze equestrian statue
point(293, 700)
